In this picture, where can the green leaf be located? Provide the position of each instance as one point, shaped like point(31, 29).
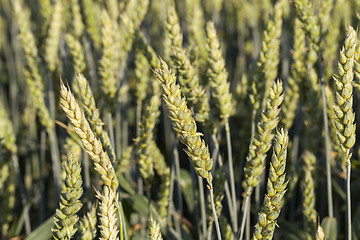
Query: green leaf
point(43, 232)
point(124, 184)
point(329, 226)
point(186, 187)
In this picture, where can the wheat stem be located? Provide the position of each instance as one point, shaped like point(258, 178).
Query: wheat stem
point(218, 232)
point(231, 171)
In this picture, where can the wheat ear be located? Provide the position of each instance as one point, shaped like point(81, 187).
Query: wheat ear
point(308, 203)
point(186, 73)
point(93, 116)
point(52, 41)
point(108, 219)
point(90, 143)
point(154, 230)
point(88, 225)
point(276, 188)
point(184, 123)
point(65, 217)
point(262, 140)
point(344, 112)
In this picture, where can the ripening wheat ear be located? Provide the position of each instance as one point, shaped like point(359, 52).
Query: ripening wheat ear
point(90, 143)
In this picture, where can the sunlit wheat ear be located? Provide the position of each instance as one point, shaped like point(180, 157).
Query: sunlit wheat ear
point(154, 230)
point(184, 124)
point(90, 143)
point(93, 116)
point(263, 137)
point(65, 217)
point(107, 214)
point(266, 69)
point(276, 188)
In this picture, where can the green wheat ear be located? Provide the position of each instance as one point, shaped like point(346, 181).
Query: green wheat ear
point(262, 140)
point(184, 124)
point(88, 225)
point(217, 74)
point(343, 107)
point(65, 217)
point(276, 188)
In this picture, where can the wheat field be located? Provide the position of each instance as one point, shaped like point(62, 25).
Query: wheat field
point(179, 119)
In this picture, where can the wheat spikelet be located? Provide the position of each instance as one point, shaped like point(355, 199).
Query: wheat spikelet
point(266, 69)
point(77, 53)
point(77, 23)
point(146, 137)
point(310, 20)
point(91, 144)
point(298, 71)
point(147, 50)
